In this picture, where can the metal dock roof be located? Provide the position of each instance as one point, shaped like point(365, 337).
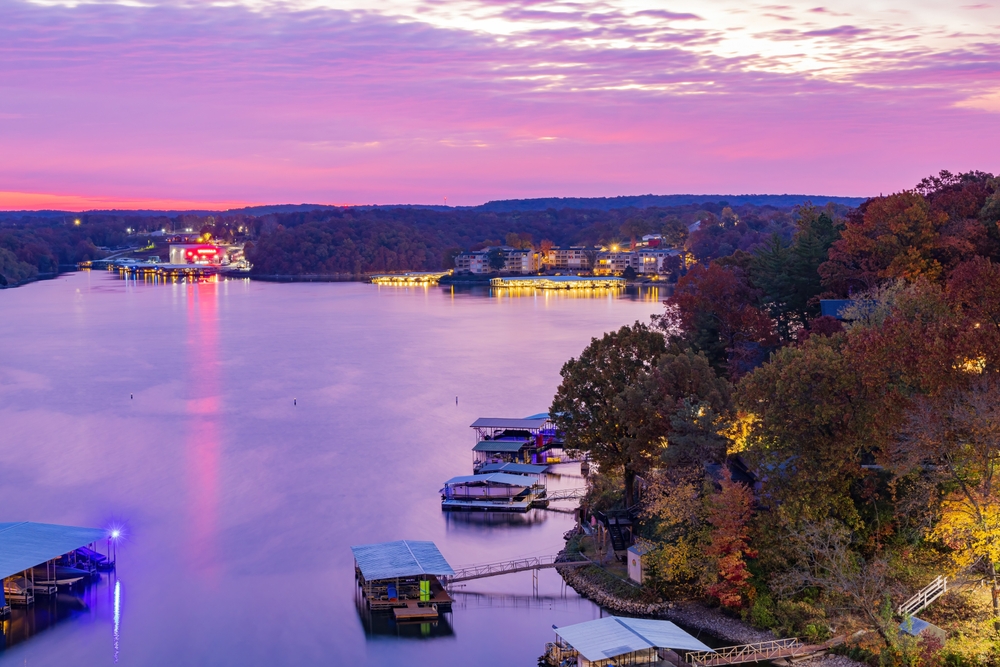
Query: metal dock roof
point(500, 445)
point(502, 478)
point(516, 468)
point(497, 422)
point(24, 544)
point(612, 636)
point(402, 558)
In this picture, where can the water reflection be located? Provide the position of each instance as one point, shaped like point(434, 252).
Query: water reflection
point(49, 611)
point(477, 521)
point(203, 407)
point(381, 624)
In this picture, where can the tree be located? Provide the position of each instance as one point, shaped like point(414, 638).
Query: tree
point(589, 403)
point(674, 232)
point(955, 439)
point(497, 259)
point(716, 313)
point(810, 425)
point(635, 227)
point(729, 513)
point(827, 561)
point(898, 236)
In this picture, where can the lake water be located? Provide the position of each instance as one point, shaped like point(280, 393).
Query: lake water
point(238, 506)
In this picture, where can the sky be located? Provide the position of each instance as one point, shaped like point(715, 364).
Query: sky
point(186, 104)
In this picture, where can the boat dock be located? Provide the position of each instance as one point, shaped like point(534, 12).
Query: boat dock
point(401, 578)
point(410, 278)
point(40, 558)
point(560, 282)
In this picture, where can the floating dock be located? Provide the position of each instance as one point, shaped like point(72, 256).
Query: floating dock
point(401, 578)
point(560, 282)
point(39, 558)
point(410, 278)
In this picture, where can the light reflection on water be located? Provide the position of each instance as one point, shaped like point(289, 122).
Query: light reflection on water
point(240, 505)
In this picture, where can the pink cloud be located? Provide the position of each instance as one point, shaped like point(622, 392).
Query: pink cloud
point(165, 104)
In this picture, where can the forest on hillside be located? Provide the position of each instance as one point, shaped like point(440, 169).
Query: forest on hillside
point(811, 473)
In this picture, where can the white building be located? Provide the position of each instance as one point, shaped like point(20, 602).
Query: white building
point(517, 261)
point(573, 258)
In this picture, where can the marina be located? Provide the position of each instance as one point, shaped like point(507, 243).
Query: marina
point(233, 493)
point(409, 278)
point(560, 282)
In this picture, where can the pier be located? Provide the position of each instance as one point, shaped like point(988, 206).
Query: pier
point(401, 578)
point(410, 278)
point(40, 558)
point(560, 282)
point(531, 563)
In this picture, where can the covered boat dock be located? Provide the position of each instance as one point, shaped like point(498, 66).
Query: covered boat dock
point(504, 440)
point(614, 640)
point(498, 491)
point(402, 577)
point(37, 558)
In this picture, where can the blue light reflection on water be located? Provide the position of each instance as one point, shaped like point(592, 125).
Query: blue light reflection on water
point(241, 504)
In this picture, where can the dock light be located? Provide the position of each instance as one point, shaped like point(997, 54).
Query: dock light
point(115, 534)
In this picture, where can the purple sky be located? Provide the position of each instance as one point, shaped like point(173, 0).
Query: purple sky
point(151, 103)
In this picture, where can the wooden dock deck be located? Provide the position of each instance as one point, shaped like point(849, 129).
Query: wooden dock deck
point(414, 612)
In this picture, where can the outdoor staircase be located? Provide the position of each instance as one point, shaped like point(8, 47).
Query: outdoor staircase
point(924, 597)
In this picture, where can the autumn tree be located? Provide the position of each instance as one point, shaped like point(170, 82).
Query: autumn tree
point(954, 438)
point(809, 427)
point(715, 310)
point(728, 514)
point(592, 398)
point(635, 227)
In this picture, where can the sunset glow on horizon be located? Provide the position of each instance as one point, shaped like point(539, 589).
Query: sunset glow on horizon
point(186, 105)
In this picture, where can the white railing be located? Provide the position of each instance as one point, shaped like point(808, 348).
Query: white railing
point(566, 494)
point(506, 567)
point(924, 597)
point(732, 655)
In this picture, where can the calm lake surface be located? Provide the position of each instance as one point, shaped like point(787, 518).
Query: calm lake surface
point(239, 507)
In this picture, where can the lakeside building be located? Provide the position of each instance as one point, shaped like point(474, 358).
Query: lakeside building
point(522, 261)
point(572, 258)
point(206, 254)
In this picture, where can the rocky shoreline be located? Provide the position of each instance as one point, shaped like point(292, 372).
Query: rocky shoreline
point(691, 615)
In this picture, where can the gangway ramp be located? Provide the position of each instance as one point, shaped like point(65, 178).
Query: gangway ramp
point(565, 494)
point(779, 649)
point(471, 572)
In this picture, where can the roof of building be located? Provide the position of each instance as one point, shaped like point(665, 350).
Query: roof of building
point(24, 544)
point(641, 549)
point(500, 445)
point(496, 422)
point(612, 636)
point(402, 558)
point(501, 478)
point(516, 468)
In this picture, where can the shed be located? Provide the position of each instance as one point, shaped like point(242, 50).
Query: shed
point(25, 544)
point(625, 640)
point(918, 627)
point(636, 567)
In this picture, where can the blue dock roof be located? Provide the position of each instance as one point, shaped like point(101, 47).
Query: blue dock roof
point(501, 478)
point(402, 558)
point(24, 544)
point(523, 424)
point(612, 636)
point(500, 445)
point(516, 468)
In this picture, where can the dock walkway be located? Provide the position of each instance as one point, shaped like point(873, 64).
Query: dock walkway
point(471, 572)
point(778, 650)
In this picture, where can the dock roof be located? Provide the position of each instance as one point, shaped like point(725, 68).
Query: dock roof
point(402, 558)
point(497, 422)
point(612, 636)
point(500, 445)
point(501, 478)
point(24, 544)
point(516, 468)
